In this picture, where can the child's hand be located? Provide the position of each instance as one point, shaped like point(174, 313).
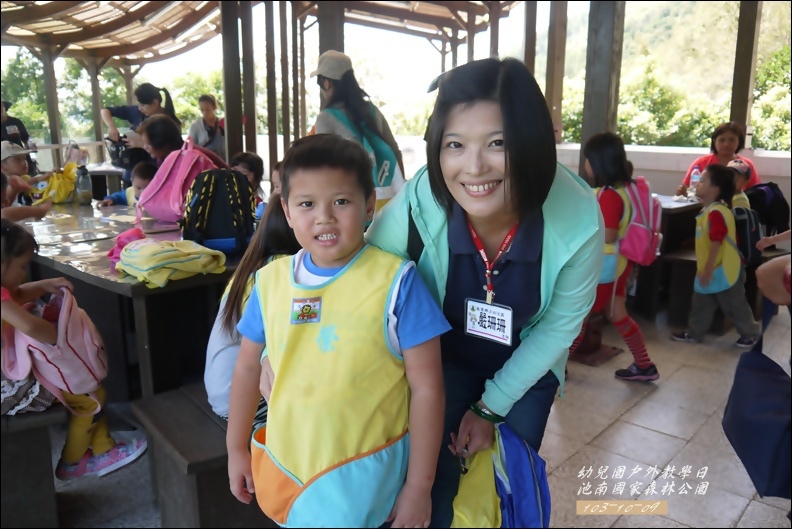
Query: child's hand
point(44, 177)
point(413, 508)
point(18, 184)
point(106, 202)
point(267, 379)
point(705, 276)
point(240, 475)
point(53, 286)
point(681, 190)
point(43, 209)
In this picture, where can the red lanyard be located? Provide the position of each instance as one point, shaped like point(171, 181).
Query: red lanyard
point(489, 266)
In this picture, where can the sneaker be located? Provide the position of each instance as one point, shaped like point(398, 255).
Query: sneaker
point(683, 337)
point(119, 456)
point(84, 467)
point(637, 373)
point(746, 342)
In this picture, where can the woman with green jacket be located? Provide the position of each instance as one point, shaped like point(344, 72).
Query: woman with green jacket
point(510, 244)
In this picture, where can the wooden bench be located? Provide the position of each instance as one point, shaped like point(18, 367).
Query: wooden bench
point(189, 462)
point(28, 482)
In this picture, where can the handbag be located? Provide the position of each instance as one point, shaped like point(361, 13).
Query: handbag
point(757, 422)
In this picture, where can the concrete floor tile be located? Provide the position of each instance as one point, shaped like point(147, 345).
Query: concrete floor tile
point(779, 503)
point(608, 464)
point(695, 388)
point(556, 449)
point(665, 418)
point(569, 419)
point(647, 521)
point(564, 491)
point(760, 515)
point(638, 443)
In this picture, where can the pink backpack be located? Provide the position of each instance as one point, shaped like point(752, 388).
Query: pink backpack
point(641, 243)
point(164, 197)
point(77, 363)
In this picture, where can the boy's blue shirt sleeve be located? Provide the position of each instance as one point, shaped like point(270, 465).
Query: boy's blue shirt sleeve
point(419, 317)
point(130, 113)
point(260, 210)
point(118, 198)
point(251, 324)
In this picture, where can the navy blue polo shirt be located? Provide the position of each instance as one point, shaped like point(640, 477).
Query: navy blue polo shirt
point(516, 281)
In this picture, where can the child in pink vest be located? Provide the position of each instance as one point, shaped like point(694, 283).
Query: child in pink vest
point(89, 448)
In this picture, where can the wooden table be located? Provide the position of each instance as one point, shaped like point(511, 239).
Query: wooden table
point(679, 230)
point(106, 179)
point(160, 332)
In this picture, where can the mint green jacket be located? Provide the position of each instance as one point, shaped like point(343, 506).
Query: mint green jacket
point(571, 262)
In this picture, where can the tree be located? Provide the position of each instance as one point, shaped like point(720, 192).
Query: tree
point(75, 99)
point(23, 85)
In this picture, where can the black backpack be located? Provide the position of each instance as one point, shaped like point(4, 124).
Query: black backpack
point(773, 209)
point(219, 211)
point(125, 157)
point(749, 232)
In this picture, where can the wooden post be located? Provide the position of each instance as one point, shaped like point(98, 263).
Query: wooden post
point(454, 48)
point(494, 16)
point(303, 109)
point(745, 64)
point(471, 34)
point(48, 56)
point(128, 73)
point(94, 67)
point(284, 49)
point(603, 70)
point(529, 39)
point(556, 52)
point(248, 77)
point(331, 26)
point(232, 78)
point(272, 98)
point(443, 52)
point(295, 75)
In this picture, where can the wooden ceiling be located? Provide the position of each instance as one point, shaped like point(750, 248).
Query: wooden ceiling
point(136, 33)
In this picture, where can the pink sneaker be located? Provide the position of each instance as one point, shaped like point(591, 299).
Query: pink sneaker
point(119, 456)
point(84, 467)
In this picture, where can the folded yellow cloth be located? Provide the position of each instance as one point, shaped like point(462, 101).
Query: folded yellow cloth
point(156, 262)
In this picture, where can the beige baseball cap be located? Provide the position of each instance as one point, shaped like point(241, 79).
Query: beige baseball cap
point(332, 64)
point(8, 149)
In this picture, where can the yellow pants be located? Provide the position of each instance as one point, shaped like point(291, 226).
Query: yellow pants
point(86, 431)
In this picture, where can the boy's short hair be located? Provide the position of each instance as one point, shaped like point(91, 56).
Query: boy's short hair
point(144, 170)
point(331, 151)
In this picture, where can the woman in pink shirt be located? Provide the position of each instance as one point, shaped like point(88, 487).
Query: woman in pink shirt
point(727, 140)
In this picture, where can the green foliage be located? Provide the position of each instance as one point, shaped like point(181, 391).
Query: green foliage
point(775, 71)
point(411, 122)
point(75, 101)
point(187, 89)
point(23, 85)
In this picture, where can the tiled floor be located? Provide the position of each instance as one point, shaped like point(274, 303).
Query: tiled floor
point(601, 421)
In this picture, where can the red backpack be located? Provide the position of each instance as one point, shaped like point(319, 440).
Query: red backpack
point(164, 197)
point(642, 240)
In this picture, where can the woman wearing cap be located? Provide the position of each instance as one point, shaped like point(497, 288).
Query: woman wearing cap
point(340, 89)
point(727, 140)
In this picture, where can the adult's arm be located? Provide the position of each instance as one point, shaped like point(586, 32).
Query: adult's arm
point(112, 131)
point(550, 339)
point(772, 278)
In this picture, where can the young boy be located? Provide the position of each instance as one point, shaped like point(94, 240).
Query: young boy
point(352, 362)
point(16, 213)
point(13, 162)
point(742, 174)
point(142, 174)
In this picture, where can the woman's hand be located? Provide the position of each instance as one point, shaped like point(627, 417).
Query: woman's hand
point(240, 475)
point(135, 142)
point(267, 379)
point(763, 243)
point(475, 434)
point(54, 286)
point(113, 134)
point(413, 508)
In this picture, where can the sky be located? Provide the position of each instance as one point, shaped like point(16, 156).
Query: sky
point(411, 62)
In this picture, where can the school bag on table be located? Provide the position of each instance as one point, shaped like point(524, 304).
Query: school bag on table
point(164, 198)
point(506, 486)
point(643, 238)
point(77, 363)
point(219, 211)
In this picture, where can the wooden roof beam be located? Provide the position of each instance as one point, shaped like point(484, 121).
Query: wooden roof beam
point(36, 13)
point(388, 27)
point(476, 8)
point(97, 30)
point(401, 14)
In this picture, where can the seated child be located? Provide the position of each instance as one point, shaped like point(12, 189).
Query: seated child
point(742, 174)
point(275, 187)
point(273, 239)
point(351, 364)
point(142, 174)
point(17, 213)
point(720, 274)
point(89, 448)
point(13, 162)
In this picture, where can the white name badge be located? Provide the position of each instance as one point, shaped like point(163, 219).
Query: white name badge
point(491, 322)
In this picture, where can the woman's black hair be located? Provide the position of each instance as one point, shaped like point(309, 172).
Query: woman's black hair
point(353, 99)
point(163, 133)
point(730, 126)
point(273, 237)
point(16, 241)
point(253, 162)
point(146, 93)
point(529, 138)
point(722, 177)
point(332, 151)
point(608, 160)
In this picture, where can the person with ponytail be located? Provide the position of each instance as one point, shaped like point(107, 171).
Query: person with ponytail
point(150, 103)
